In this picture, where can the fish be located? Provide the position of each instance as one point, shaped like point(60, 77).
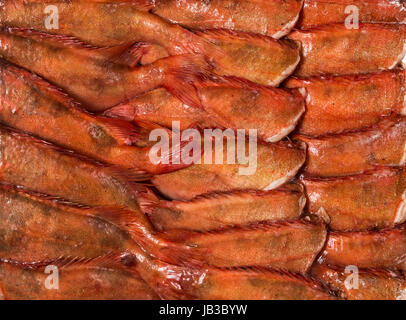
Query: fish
point(273, 165)
point(384, 248)
point(274, 19)
point(219, 210)
point(84, 280)
point(336, 104)
point(91, 77)
point(226, 103)
point(36, 226)
point(319, 12)
point(289, 245)
point(365, 284)
point(344, 154)
point(208, 283)
point(31, 104)
point(371, 200)
point(228, 52)
point(334, 49)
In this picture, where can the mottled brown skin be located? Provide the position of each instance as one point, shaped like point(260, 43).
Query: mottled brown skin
point(371, 200)
point(357, 152)
point(319, 12)
point(373, 284)
point(218, 210)
point(272, 18)
point(289, 245)
point(32, 230)
point(277, 163)
point(33, 105)
point(76, 283)
point(272, 111)
point(86, 74)
point(348, 103)
point(124, 23)
point(385, 248)
point(334, 49)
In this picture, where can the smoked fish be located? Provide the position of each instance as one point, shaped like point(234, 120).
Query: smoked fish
point(91, 77)
point(349, 103)
point(226, 103)
point(271, 18)
point(366, 284)
point(258, 58)
point(375, 199)
point(356, 152)
point(319, 12)
point(35, 227)
point(289, 245)
point(274, 165)
point(218, 210)
point(31, 104)
point(83, 280)
point(383, 248)
point(334, 49)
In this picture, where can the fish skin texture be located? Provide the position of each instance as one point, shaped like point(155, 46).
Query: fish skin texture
point(360, 202)
point(349, 103)
point(319, 12)
point(333, 49)
point(382, 144)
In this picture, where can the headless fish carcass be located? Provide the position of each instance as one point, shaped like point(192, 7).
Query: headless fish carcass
point(336, 104)
point(226, 103)
point(366, 284)
point(374, 199)
point(382, 144)
point(334, 49)
point(218, 210)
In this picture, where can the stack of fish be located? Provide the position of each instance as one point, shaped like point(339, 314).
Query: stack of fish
point(84, 83)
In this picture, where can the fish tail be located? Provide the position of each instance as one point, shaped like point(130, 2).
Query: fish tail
point(181, 74)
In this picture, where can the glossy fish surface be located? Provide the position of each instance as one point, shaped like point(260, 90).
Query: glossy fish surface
point(356, 152)
point(336, 50)
point(349, 103)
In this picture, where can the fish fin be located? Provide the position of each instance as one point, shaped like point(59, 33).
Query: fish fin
point(132, 55)
point(184, 70)
point(124, 132)
point(125, 112)
point(132, 176)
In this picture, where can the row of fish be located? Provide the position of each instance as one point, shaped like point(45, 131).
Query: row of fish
point(75, 152)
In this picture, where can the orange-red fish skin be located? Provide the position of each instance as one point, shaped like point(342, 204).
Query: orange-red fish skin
point(218, 210)
point(319, 12)
point(372, 284)
point(383, 248)
point(348, 103)
point(335, 49)
point(356, 152)
point(274, 18)
point(277, 163)
point(291, 245)
point(371, 200)
point(226, 103)
point(92, 283)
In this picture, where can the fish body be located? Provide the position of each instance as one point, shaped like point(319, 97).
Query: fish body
point(87, 283)
point(276, 164)
point(35, 106)
point(334, 49)
point(372, 284)
point(356, 152)
point(274, 18)
point(349, 103)
point(226, 103)
point(291, 245)
point(231, 54)
point(383, 248)
point(360, 202)
point(319, 12)
point(219, 210)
